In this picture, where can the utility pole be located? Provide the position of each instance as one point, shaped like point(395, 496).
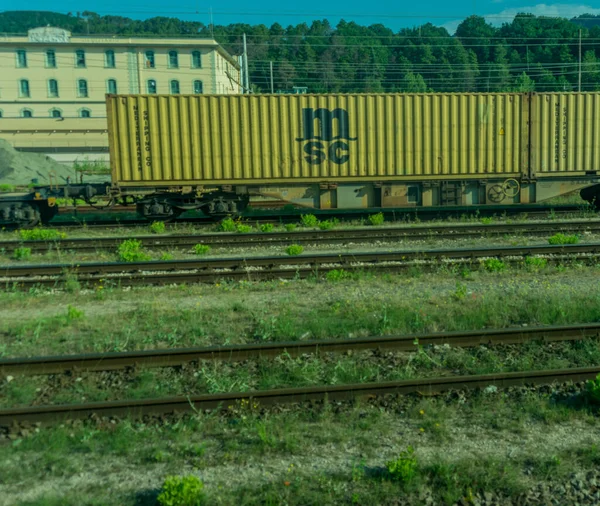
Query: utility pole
point(580, 60)
point(246, 78)
point(271, 65)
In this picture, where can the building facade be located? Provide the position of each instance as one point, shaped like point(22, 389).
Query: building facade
point(51, 74)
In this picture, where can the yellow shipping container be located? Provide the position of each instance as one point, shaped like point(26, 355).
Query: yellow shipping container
point(245, 139)
point(565, 133)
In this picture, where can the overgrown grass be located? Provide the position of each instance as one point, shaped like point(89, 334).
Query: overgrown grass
point(560, 238)
point(237, 312)
point(290, 445)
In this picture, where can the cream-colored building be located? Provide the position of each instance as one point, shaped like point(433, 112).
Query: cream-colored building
point(51, 74)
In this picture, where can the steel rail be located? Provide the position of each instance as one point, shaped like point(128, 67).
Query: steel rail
point(362, 235)
point(272, 267)
point(241, 263)
point(175, 357)
point(161, 406)
point(286, 216)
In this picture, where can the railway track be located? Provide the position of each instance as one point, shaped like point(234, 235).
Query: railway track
point(272, 267)
point(180, 356)
point(361, 235)
point(274, 213)
point(163, 406)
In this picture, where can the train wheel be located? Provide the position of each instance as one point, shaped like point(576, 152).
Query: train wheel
point(21, 215)
point(158, 211)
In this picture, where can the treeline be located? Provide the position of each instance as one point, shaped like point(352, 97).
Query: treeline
point(529, 53)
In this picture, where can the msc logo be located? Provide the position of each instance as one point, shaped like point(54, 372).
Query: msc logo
point(325, 134)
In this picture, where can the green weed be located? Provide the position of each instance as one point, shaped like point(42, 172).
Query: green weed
point(338, 275)
point(559, 238)
point(593, 390)
point(157, 227)
point(536, 263)
point(201, 249)
point(294, 249)
point(487, 221)
point(41, 234)
point(290, 227)
point(227, 225)
point(461, 291)
point(131, 251)
point(376, 219)
point(309, 220)
point(267, 227)
point(494, 265)
point(22, 253)
point(7, 188)
point(404, 469)
point(242, 228)
point(328, 224)
point(181, 491)
point(166, 256)
point(73, 313)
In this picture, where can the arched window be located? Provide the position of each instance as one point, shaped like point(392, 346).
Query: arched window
point(50, 58)
point(196, 60)
point(55, 113)
point(85, 113)
point(21, 58)
point(26, 113)
point(151, 86)
point(111, 86)
point(52, 88)
point(24, 88)
point(197, 87)
point(173, 59)
point(82, 88)
point(80, 58)
point(150, 59)
point(175, 87)
point(109, 59)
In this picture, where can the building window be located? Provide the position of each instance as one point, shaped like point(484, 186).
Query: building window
point(50, 58)
point(82, 88)
point(55, 113)
point(196, 60)
point(21, 58)
point(0, 113)
point(151, 86)
point(173, 60)
point(150, 59)
point(111, 86)
point(24, 88)
point(175, 87)
point(80, 58)
point(85, 113)
point(52, 88)
point(26, 113)
point(197, 87)
point(109, 59)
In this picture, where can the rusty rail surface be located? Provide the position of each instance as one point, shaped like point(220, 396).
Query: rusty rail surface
point(270, 267)
point(168, 405)
point(179, 356)
point(361, 235)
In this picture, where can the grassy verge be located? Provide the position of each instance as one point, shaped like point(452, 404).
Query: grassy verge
point(285, 371)
point(120, 320)
point(501, 443)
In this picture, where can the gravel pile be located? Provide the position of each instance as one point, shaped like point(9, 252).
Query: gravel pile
point(18, 168)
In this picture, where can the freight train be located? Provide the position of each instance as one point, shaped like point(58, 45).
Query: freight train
point(214, 153)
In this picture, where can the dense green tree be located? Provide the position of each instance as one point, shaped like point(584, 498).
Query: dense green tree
point(528, 51)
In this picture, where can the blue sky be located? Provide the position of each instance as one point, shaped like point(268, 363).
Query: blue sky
point(392, 14)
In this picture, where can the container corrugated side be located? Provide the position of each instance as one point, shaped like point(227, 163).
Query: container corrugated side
point(211, 139)
point(565, 133)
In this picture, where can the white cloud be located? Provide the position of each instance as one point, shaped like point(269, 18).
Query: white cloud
point(550, 10)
